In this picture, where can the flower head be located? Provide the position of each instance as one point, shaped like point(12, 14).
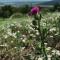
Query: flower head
point(35, 10)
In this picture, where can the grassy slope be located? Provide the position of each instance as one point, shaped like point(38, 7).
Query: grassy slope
point(3, 22)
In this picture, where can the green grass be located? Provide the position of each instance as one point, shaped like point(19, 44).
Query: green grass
point(23, 20)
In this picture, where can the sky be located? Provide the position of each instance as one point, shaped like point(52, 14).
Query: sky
point(21, 0)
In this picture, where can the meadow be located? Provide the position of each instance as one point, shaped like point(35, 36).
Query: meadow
point(19, 41)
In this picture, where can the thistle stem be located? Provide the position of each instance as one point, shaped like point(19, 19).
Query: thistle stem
point(42, 40)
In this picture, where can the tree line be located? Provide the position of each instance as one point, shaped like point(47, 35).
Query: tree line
point(7, 10)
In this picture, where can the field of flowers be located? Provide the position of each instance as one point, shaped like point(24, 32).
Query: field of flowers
point(19, 38)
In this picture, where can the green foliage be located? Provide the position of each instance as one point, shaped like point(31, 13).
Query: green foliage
point(8, 10)
point(25, 9)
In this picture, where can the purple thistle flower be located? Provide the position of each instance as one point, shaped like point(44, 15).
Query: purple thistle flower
point(35, 10)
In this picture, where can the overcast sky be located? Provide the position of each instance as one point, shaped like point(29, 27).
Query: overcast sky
point(21, 0)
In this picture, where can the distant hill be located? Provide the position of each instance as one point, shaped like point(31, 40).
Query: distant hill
point(51, 2)
point(30, 3)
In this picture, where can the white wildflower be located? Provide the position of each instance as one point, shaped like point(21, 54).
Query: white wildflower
point(49, 57)
point(45, 44)
point(40, 58)
point(44, 24)
point(22, 48)
point(18, 31)
point(48, 48)
point(21, 38)
point(51, 36)
point(12, 41)
point(53, 29)
point(5, 36)
point(57, 33)
point(24, 36)
point(15, 47)
point(53, 52)
point(31, 28)
point(37, 33)
point(58, 52)
point(32, 35)
point(24, 40)
point(14, 35)
point(12, 25)
point(4, 45)
point(9, 32)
